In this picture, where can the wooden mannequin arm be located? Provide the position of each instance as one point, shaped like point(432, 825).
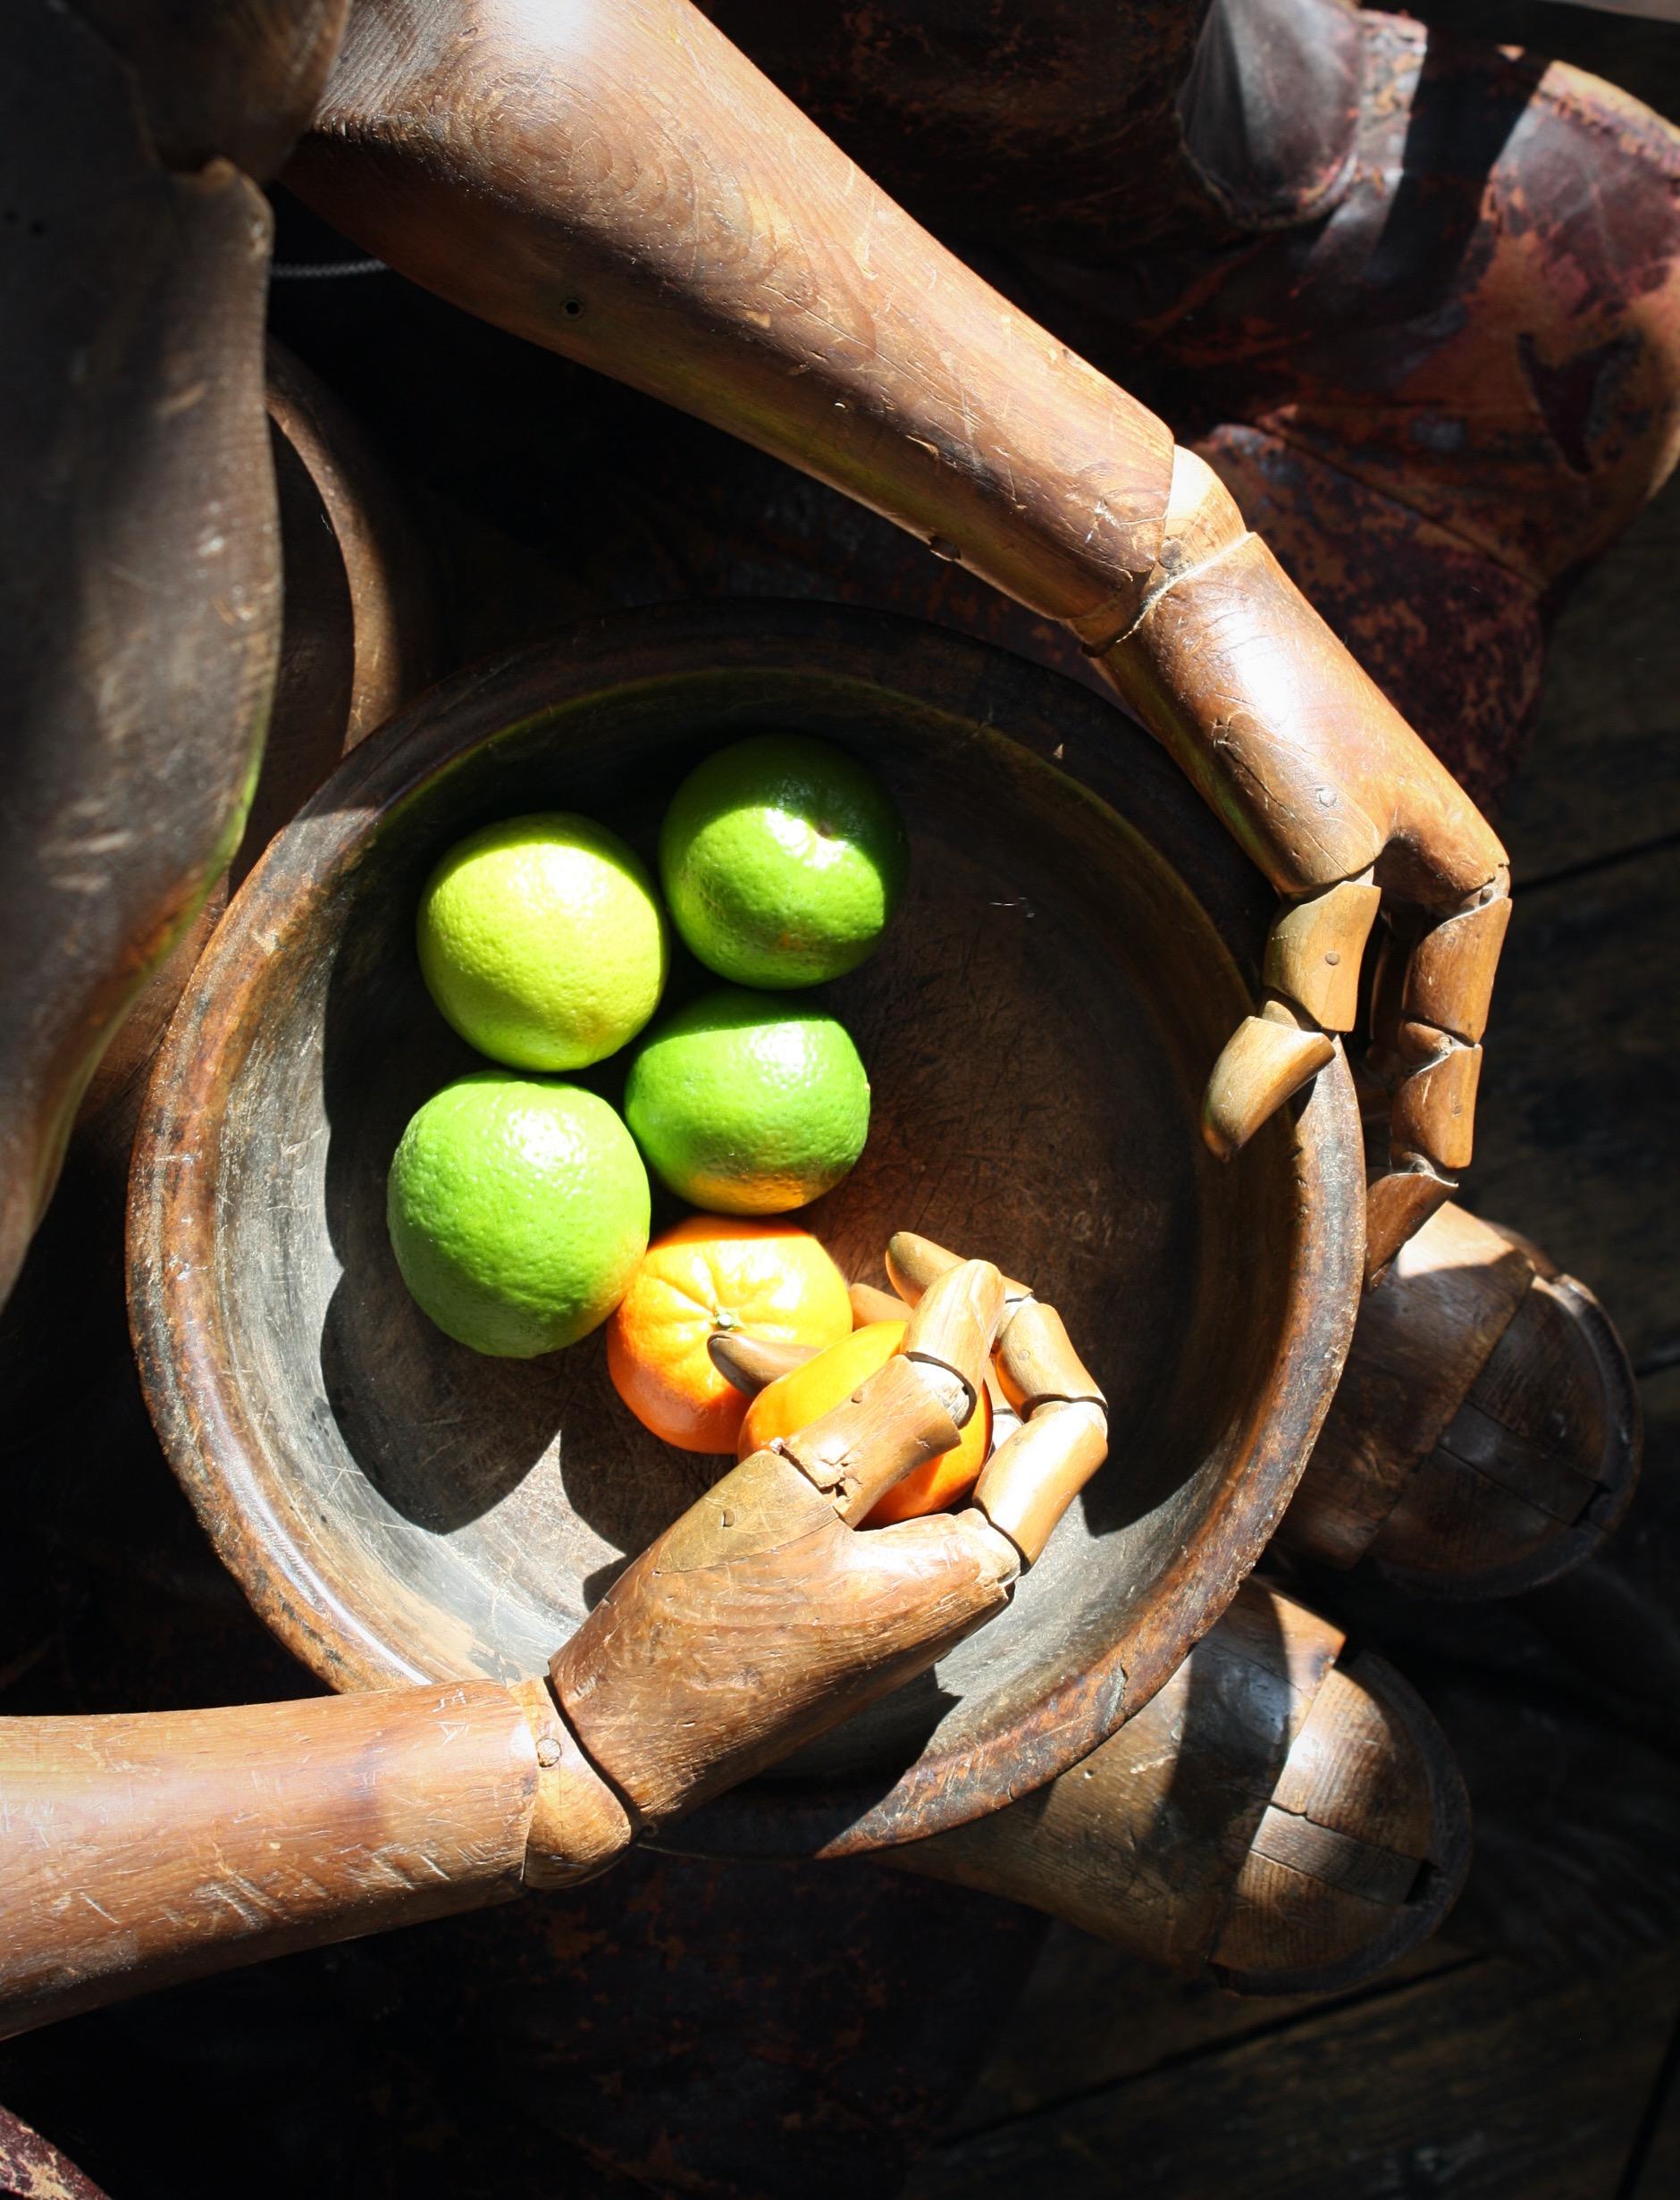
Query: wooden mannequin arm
point(762, 1617)
point(1339, 802)
point(1316, 1827)
point(138, 1851)
point(613, 180)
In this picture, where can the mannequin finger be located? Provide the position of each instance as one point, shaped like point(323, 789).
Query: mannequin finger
point(891, 1424)
point(1032, 1478)
point(754, 1363)
point(1430, 1013)
point(950, 1331)
point(913, 1263)
point(870, 1304)
point(1263, 1064)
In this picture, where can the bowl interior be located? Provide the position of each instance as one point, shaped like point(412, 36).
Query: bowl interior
point(1036, 1026)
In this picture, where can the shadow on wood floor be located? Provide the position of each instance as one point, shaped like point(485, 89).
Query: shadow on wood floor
point(1465, 2075)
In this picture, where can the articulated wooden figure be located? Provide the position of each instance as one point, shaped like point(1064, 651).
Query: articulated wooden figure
point(1317, 1828)
point(137, 1851)
point(616, 181)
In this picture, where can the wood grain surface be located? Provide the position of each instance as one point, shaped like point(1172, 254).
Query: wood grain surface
point(1608, 719)
point(139, 1851)
point(1656, 2168)
point(133, 375)
point(399, 1507)
point(1364, 2099)
point(1566, 1157)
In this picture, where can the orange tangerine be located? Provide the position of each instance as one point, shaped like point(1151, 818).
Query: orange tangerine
point(716, 1271)
point(805, 1393)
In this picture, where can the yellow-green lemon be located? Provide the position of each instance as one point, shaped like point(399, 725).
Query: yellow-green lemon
point(749, 1103)
point(542, 941)
point(782, 859)
point(519, 1211)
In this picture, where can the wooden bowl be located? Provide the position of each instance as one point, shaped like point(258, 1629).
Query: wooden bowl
point(1079, 940)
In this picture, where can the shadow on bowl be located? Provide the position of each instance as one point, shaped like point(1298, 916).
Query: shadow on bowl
point(1078, 942)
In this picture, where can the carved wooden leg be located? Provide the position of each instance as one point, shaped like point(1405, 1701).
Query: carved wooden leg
point(1284, 1816)
point(1485, 1435)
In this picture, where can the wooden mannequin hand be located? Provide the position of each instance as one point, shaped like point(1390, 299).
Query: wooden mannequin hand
point(139, 1849)
point(1049, 1420)
point(764, 1616)
point(1345, 812)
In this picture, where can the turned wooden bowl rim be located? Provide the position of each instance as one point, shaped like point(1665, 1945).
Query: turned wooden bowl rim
point(195, 1393)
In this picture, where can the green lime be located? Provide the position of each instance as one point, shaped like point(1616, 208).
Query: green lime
point(747, 1105)
point(518, 1212)
point(542, 941)
point(782, 859)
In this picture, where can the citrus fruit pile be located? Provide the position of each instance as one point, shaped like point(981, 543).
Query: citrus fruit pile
point(519, 1204)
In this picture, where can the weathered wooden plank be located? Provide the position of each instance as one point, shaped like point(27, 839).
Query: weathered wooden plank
point(1617, 1618)
point(1485, 2083)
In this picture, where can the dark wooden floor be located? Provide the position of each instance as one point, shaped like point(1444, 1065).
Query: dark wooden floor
point(1550, 2071)
point(1468, 2075)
